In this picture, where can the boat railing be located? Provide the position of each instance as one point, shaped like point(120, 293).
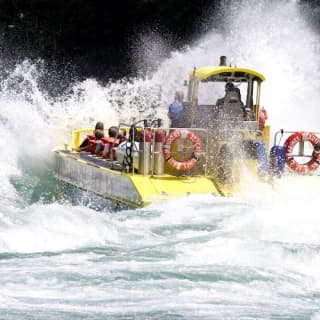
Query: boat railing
point(284, 134)
point(302, 150)
point(148, 158)
point(78, 136)
point(181, 151)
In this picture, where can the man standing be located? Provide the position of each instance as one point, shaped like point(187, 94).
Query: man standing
point(176, 110)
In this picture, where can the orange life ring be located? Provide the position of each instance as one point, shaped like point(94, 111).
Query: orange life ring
point(182, 134)
point(289, 145)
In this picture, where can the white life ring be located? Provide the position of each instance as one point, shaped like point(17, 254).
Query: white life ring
point(289, 144)
point(182, 134)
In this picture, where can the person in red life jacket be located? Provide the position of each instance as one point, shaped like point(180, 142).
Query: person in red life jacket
point(122, 135)
point(84, 144)
point(94, 142)
point(110, 143)
point(262, 116)
point(97, 144)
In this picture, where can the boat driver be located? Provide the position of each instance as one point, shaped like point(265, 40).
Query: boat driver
point(230, 87)
point(231, 106)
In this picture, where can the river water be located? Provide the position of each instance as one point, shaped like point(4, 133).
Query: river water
point(254, 256)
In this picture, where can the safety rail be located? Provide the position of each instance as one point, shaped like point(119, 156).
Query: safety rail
point(301, 144)
point(77, 136)
point(150, 156)
point(283, 132)
point(156, 151)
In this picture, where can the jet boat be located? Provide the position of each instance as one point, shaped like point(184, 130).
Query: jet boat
point(223, 133)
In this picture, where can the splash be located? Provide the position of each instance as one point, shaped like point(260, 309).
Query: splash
point(29, 230)
point(273, 37)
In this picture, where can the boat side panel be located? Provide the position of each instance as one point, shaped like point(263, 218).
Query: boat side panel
point(137, 190)
point(102, 181)
point(164, 187)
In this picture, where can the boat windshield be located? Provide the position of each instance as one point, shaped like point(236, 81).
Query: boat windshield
point(210, 92)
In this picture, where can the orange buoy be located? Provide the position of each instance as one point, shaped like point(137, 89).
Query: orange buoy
point(290, 143)
point(182, 134)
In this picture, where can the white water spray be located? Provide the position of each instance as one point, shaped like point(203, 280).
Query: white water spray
point(272, 37)
point(254, 257)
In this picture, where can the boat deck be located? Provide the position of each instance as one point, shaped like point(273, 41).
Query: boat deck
point(93, 160)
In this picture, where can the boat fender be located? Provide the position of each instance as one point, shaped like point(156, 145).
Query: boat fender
point(262, 116)
point(182, 134)
point(263, 165)
point(159, 136)
point(289, 145)
point(158, 163)
point(143, 136)
point(277, 160)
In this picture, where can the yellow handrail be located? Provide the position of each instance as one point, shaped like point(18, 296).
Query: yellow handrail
point(77, 136)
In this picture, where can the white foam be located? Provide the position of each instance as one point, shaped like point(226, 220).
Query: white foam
point(45, 228)
point(36, 123)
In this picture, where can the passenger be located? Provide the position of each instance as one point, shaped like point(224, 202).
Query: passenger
point(110, 143)
point(176, 110)
point(99, 125)
point(97, 142)
point(84, 145)
point(94, 142)
point(122, 135)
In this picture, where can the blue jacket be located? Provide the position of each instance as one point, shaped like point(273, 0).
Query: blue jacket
point(175, 110)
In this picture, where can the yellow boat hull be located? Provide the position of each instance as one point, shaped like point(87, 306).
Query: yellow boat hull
point(136, 190)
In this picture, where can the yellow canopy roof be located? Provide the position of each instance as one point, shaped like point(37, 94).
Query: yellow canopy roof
point(206, 72)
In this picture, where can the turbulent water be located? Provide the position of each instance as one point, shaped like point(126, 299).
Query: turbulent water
point(255, 256)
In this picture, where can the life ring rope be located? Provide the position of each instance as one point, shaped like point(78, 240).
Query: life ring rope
point(196, 154)
point(289, 145)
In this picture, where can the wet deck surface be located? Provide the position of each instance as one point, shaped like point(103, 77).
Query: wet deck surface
point(94, 160)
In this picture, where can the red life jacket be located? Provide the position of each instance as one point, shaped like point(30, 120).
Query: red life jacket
point(99, 147)
point(95, 147)
point(91, 147)
point(111, 143)
point(91, 136)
